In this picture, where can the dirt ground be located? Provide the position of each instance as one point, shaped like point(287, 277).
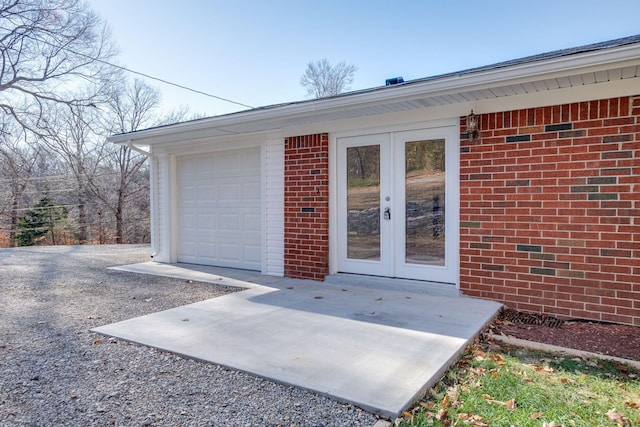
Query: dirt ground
point(609, 339)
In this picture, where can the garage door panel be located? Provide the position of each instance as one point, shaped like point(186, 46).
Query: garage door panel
point(253, 254)
point(251, 191)
point(219, 209)
point(229, 161)
point(251, 160)
point(206, 222)
point(205, 192)
point(230, 252)
point(207, 248)
point(229, 222)
point(252, 222)
point(189, 191)
point(229, 192)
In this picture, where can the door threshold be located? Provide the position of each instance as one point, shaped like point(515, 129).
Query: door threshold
point(423, 287)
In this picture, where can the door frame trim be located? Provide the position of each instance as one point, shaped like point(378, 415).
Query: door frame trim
point(453, 212)
point(383, 266)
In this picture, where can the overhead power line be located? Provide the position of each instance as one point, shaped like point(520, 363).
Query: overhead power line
point(170, 83)
point(129, 70)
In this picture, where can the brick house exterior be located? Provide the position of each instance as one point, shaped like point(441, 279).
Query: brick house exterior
point(542, 210)
point(550, 210)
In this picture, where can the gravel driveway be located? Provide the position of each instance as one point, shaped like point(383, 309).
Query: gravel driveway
point(53, 371)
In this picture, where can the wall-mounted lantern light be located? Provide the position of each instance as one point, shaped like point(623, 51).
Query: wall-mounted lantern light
point(472, 126)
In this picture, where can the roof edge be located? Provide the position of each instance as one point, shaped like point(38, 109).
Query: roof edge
point(565, 60)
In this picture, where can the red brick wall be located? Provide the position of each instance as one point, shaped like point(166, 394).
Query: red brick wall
point(306, 206)
point(550, 210)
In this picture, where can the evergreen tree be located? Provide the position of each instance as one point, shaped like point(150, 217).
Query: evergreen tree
point(39, 221)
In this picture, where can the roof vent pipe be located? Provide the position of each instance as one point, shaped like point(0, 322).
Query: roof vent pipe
point(394, 81)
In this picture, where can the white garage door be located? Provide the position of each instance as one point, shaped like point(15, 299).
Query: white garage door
point(219, 208)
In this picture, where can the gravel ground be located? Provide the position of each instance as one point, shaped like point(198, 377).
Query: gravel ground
point(55, 372)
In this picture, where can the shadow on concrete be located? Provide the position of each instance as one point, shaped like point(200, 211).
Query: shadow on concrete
point(377, 348)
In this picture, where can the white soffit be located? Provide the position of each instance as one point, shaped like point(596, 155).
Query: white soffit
point(583, 69)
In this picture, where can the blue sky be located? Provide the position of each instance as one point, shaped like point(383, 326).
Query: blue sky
point(254, 52)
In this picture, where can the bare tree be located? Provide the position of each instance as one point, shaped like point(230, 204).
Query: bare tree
point(47, 49)
point(321, 79)
point(75, 142)
point(131, 107)
point(180, 114)
point(107, 186)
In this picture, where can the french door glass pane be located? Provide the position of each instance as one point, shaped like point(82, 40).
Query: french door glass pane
point(363, 202)
point(424, 198)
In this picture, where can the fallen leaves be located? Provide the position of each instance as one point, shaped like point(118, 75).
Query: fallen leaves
point(480, 372)
point(543, 369)
point(480, 356)
point(621, 366)
point(536, 415)
point(453, 393)
point(509, 404)
point(111, 340)
point(487, 386)
point(618, 418)
point(472, 420)
point(498, 358)
point(427, 405)
point(442, 414)
point(445, 402)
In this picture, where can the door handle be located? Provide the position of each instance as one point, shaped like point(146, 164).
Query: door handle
point(387, 213)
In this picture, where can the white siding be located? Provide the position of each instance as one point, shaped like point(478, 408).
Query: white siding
point(153, 205)
point(274, 208)
point(164, 233)
point(161, 230)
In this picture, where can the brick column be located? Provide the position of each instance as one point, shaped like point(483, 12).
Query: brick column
point(306, 206)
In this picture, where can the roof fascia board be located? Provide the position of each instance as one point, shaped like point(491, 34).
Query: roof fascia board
point(505, 103)
point(197, 140)
point(557, 67)
point(519, 73)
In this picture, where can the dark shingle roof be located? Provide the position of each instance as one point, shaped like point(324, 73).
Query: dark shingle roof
point(544, 56)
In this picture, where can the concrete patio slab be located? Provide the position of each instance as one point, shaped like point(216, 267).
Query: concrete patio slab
point(378, 349)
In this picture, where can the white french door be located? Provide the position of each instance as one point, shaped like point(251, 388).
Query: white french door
point(397, 204)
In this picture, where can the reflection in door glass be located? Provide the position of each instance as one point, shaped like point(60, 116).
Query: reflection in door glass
point(363, 202)
point(425, 207)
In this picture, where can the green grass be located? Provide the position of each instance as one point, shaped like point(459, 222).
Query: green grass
point(510, 386)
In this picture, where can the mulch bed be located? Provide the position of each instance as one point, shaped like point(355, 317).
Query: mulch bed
point(609, 339)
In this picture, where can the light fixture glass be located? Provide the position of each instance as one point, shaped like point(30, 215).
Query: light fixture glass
point(473, 126)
